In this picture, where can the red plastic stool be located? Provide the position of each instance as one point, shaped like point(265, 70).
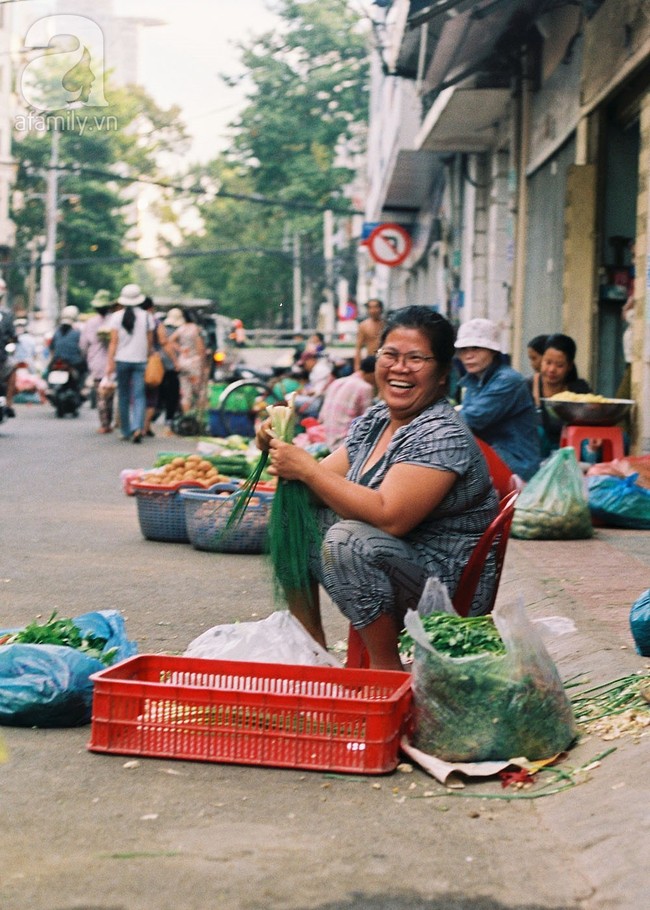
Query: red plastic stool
point(611, 440)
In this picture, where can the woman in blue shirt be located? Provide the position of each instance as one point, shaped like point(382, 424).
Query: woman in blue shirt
point(496, 401)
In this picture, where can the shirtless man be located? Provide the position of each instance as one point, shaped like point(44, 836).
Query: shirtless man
point(369, 332)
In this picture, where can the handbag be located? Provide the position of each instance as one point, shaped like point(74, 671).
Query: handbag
point(155, 370)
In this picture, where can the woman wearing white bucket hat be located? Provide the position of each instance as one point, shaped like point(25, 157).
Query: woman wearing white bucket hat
point(496, 402)
point(131, 343)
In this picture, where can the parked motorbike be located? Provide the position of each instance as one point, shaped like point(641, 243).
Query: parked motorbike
point(64, 389)
point(5, 352)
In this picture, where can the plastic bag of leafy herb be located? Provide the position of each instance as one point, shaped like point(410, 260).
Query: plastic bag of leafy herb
point(446, 631)
point(490, 707)
point(45, 667)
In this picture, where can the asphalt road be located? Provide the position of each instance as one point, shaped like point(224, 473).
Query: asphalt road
point(83, 831)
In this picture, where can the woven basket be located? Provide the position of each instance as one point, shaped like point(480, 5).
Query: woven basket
point(207, 513)
point(161, 512)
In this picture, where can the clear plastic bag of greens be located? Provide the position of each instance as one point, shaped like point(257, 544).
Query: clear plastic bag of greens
point(490, 707)
point(553, 504)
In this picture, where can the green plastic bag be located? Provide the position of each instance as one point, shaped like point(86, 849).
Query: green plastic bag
point(553, 504)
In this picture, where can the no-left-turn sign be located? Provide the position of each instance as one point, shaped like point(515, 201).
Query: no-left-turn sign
point(389, 244)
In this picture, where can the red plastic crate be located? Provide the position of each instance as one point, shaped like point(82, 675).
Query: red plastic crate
point(316, 718)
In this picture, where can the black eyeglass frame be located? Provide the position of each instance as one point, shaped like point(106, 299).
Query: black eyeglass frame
point(394, 357)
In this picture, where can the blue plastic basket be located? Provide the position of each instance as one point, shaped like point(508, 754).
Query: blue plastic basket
point(227, 423)
point(161, 512)
point(207, 512)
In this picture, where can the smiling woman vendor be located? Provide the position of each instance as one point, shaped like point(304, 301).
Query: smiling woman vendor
point(409, 489)
point(496, 401)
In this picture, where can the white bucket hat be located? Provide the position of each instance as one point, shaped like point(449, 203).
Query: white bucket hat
point(131, 295)
point(478, 333)
point(175, 318)
point(69, 315)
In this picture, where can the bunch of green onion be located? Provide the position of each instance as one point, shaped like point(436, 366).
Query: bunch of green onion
point(294, 531)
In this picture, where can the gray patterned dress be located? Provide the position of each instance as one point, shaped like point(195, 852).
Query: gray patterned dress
point(368, 572)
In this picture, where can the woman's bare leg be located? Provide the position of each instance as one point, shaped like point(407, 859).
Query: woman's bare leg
point(380, 639)
point(305, 606)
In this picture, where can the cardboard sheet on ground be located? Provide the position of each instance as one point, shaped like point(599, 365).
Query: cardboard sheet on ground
point(447, 773)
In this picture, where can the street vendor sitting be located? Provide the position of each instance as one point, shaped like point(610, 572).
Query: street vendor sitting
point(496, 403)
point(409, 492)
point(319, 371)
point(557, 374)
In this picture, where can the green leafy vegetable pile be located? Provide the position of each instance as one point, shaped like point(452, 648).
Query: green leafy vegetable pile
point(457, 636)
point(480, 698)
point(61, 632)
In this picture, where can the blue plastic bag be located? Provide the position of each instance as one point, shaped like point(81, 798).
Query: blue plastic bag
point(49, 685)
point(640, 623)
point(619, 501)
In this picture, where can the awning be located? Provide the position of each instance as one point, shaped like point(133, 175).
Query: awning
point(411, 181)
point(463, 120)
point(462, 36)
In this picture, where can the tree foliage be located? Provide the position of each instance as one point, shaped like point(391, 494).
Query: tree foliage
point(96, 214)
point(295, 141)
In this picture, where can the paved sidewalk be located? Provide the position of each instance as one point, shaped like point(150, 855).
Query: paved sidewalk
point(594, 583)
point(85, 831)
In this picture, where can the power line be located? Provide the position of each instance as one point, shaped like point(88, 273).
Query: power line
point(198, 190)
point(135, 257)
point(173, 254)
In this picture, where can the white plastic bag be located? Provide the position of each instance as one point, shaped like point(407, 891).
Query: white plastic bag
point(490, 707)
point(278, 639)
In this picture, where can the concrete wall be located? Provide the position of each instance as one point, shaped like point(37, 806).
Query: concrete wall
point(641, 332)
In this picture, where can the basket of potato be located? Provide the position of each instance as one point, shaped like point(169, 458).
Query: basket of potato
point(161, 513)
point(184, 469)
point(207, 513)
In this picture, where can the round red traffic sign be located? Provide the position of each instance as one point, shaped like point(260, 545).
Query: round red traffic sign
point(389, 244)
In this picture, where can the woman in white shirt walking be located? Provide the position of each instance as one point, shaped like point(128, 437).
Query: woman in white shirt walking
point(131, 342)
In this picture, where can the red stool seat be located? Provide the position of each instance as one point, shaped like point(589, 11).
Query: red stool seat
point(611, 439)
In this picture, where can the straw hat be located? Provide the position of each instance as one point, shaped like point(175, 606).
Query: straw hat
point(131, 295)
point(101, 299)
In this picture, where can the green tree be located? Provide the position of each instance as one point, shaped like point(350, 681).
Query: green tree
point(237, 257)
point(295, 141)
point(96, 209)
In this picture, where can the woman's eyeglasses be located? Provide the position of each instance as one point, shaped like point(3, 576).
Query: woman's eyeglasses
point(412, 361)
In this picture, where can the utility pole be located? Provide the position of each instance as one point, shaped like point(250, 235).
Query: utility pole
point(297, 285)
point(49, 301)
point(328, 253)
point(32, 246)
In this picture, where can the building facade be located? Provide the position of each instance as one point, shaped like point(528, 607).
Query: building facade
point(512, 138)
point(7, 168)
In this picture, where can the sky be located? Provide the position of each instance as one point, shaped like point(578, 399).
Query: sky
point(181, 61)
